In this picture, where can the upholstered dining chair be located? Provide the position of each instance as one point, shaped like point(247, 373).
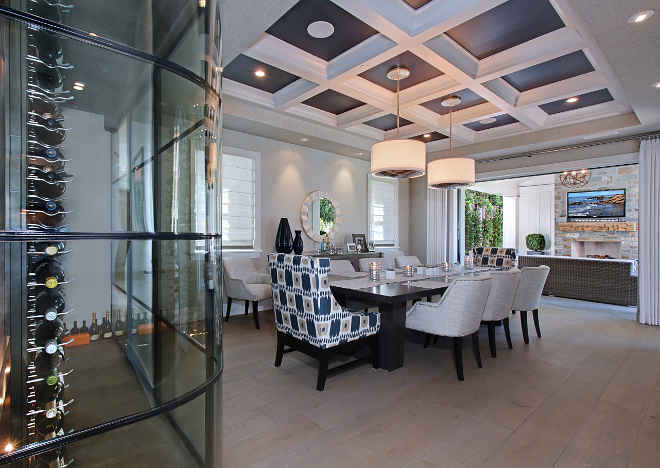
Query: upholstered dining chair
point(337, 267)
point(310, 320)
point(457, 314)
point(243, 282)
point(364, 263)
point(405, 260)
point(498, 306)
point(528, 296)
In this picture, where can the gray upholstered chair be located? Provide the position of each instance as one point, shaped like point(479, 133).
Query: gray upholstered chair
point(243, 282)
point(337, 267)
point(528, 296)
point(498, 306)
point(404, 260)
point(390, 255)
point(364, 263)
point(457, 314)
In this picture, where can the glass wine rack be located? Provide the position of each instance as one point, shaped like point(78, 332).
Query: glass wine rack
point(110, 247)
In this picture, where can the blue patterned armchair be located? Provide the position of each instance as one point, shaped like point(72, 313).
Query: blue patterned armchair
point(309, 319)
point(494, 257)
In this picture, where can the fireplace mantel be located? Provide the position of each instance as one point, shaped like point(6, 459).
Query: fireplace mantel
point(598, 226)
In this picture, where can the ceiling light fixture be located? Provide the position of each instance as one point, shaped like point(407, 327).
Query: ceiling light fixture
point(359, 153)
point(398, 159)
point(78, 88)
point(451, 173)
point(571, 99)
point(304, 139)
point(656, 85)
point(79, 83)
point(488, 121)
point(641, 16)
point(320, 29)
point(427, 135)
point(260, 73)
point(575, 179)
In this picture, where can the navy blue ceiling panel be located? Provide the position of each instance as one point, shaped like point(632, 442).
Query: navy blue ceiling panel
point(349, 31)
point(507, 25)
point(435, 136)
point(387, 122)
point(242, 70)
point(333, 102)
point(417, 4)
point(502, 119)
point(552, 71)
point(584, 100)
point(468, 99)
point(420, 71)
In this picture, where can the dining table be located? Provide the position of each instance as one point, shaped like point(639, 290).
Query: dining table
point(392, 297)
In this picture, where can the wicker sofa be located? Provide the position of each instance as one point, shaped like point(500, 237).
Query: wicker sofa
point(588, 279)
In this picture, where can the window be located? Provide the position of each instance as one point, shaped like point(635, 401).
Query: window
point(383, 212)
point(241, 218)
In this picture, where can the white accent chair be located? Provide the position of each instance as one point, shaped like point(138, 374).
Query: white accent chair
point(404, 260)
point(458, 314)
point(390, 255)
point(243, 282)
point(528, 296)
point(364, 263)
point(498, 306)
point(337, 267)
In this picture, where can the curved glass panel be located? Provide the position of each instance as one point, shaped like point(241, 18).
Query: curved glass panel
point(110, 249)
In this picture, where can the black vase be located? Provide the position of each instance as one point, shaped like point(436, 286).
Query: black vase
point(298, 243)
point(284, 239)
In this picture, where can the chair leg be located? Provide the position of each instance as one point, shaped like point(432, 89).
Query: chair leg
point(375, 355)
point(507, 332)
point(228, 308)
point(458, 357)
point(535, 314)
point(491, 339)
point(435, 339)
point(427, 340)
point(280, 351)
point(513, 312)
point(255, 312)
point(323, 370)
point(475, 347)
point(523, 323)
point(247, 307)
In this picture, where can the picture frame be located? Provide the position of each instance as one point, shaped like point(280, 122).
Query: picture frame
point(351, 248)
point(370, 246)
point(360, 241)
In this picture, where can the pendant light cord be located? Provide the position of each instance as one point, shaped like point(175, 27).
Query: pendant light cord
point(398, 79)
point(450, 127)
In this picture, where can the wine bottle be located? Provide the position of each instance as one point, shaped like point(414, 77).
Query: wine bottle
point(37, 260)
point(46, 393)
point(106, 326)
point(66, 330)
point(84, 328)
point(50, 249)
point(136, 318)
point(45, 108)
point(75, 330)
point(119, 325)
point(48, 10)
point(94, 330)
point(49, 75)
point(52, 458)
point(48, 184)
point(49, 332)
point(49, 155)
point(49, 45)
point(47, 131)
point(45, 365)
point(49, 303)
point(49, 274)
point(49, 213)
point(48, 427)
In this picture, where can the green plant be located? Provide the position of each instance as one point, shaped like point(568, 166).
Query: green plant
point(535, 241)
point(327, 215)
point(483, 220)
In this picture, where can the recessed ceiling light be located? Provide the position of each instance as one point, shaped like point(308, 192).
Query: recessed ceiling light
point(79, 83)
point(641, 16)
point(320, 29)
point(304, 139)
point(260, 73)
point(656, 85)
point(571, 99)
point(359, 154)
point(488, 120)
point(93, 34)
point(427, 135)
point(78, 88)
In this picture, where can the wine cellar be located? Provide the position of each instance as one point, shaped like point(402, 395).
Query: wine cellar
point(110, 241)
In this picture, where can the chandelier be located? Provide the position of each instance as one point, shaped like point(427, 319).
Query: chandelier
point(398, 159)
point(575, 179)
point(451, 173)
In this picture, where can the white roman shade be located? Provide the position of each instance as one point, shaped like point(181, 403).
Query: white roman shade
point(383, 213)
point(238, 202)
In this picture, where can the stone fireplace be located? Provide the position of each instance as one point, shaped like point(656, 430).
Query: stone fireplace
point(595, 249)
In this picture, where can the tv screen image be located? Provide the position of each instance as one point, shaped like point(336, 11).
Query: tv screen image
point(598, 204)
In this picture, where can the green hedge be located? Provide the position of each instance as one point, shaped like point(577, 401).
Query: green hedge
point(483, 220)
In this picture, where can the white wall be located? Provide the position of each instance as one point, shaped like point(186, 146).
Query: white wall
point(536, 215)
point(510, 221)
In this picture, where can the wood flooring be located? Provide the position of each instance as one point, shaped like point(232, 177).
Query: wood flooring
point(586, 394)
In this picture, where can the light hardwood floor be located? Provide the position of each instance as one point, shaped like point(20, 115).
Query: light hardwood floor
point(586, 394)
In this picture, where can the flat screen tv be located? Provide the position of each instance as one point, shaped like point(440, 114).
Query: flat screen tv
point(597, 204)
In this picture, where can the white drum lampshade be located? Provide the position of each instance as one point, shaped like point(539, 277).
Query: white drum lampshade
point(398, 159)
point(451, 173)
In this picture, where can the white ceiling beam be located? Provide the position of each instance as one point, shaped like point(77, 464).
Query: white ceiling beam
point(313, 114)
point(295, 93)
point(359, 115)
point(247, 93)
point(563, 89)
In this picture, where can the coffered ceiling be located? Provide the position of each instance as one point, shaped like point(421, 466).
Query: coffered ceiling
point(513, 63)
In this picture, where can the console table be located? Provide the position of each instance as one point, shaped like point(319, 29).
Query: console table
point(353, 257)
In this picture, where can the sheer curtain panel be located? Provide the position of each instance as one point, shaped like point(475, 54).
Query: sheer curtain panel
point(442, 226)
point(649, 232)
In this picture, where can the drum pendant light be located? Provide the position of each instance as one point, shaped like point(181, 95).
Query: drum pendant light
point(398, 159)
point(451, 173)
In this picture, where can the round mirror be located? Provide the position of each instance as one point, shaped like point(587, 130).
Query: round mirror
point(320, 216)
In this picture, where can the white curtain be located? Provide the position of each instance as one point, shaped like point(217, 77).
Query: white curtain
point(441, 226)
point(649, 232)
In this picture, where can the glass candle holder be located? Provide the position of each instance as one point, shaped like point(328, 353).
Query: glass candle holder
point(374, 271)
point(446, 266)
point(468, 262)
point(408, 271)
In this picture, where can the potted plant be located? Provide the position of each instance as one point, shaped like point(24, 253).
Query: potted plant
point(432, 269)
point(390, 273)
point(421, 270)
point(535, 242)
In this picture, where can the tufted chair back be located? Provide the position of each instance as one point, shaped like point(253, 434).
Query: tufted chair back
point(304, 305)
